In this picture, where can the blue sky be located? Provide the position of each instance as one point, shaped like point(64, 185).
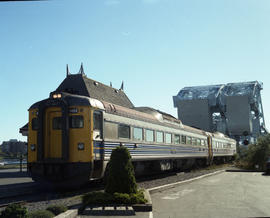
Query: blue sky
point(156, 47)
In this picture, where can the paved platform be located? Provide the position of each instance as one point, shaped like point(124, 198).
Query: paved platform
point(13, 176)
point(228, 194)
point(13, 182)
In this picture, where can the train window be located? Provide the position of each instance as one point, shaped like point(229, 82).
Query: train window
point(168, 137)
point(123, 131)
point(57, 123)
point(202, 142)
point(97, 120)
point(194, 141)
point(138, 133)
point(198, 141)
point(111, 130)
point(76, 122)
point(183, 139)
point(35, 124)
point(160, 136)
point(149, 135)
point(188, 140)
point(177, 139)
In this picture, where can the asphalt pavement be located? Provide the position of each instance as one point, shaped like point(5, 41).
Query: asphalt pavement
point(14, 182)
point(228, 194)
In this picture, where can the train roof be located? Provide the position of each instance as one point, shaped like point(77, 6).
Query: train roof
point(140, 113)
point(147, 114)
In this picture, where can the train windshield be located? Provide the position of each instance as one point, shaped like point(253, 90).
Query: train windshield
point(76, 122)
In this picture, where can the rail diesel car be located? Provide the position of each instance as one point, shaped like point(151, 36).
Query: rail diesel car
point(72, 136)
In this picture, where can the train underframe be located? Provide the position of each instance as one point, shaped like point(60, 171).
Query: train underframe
point(76, 174)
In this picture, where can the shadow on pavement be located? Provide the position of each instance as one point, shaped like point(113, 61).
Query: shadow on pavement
point(13, 174)
point(244, 171)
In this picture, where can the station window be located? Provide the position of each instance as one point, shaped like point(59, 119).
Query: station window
point(160, 137)
point(149, 135)
point(35, 124)
point(123, 131)
point(138, 133)
point(183, 139)
point(76, 122)
point(57, 123)
point(168, 138)
point(177, 139)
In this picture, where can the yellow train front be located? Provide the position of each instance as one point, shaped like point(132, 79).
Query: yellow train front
point(60, 147)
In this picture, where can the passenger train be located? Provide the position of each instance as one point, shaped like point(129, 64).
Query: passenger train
point(71, 138)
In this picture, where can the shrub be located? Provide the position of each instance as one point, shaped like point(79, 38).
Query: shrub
point(41, 214)
point(133, 198)
point(57, 209)
point(14, 211)
point(258, 153)
point(96, 198)
point(255, 154)
point(121, 176)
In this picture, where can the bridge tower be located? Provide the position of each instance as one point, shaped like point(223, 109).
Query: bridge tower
point(234, 109)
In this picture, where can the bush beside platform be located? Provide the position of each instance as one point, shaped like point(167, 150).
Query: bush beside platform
point(19, 211)
point(121, 187)
point(255, 155)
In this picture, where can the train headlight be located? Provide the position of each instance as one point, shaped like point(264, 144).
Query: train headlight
point(57, 95)
point(33, 147)
point(80, 146)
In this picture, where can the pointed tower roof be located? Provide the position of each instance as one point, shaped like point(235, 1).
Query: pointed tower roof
point(122, 86)
point(81, 85)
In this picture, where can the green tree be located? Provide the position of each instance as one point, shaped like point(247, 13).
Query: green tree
point(120, 176)
point(258, 153)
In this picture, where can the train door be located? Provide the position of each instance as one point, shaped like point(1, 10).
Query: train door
point(210, 149)
point(99, 166)
point(97, 125)
point(53, 133)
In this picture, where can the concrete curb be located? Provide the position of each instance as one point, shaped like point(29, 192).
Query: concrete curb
point(68, 214)
point(172, 185)
point(148, 206)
